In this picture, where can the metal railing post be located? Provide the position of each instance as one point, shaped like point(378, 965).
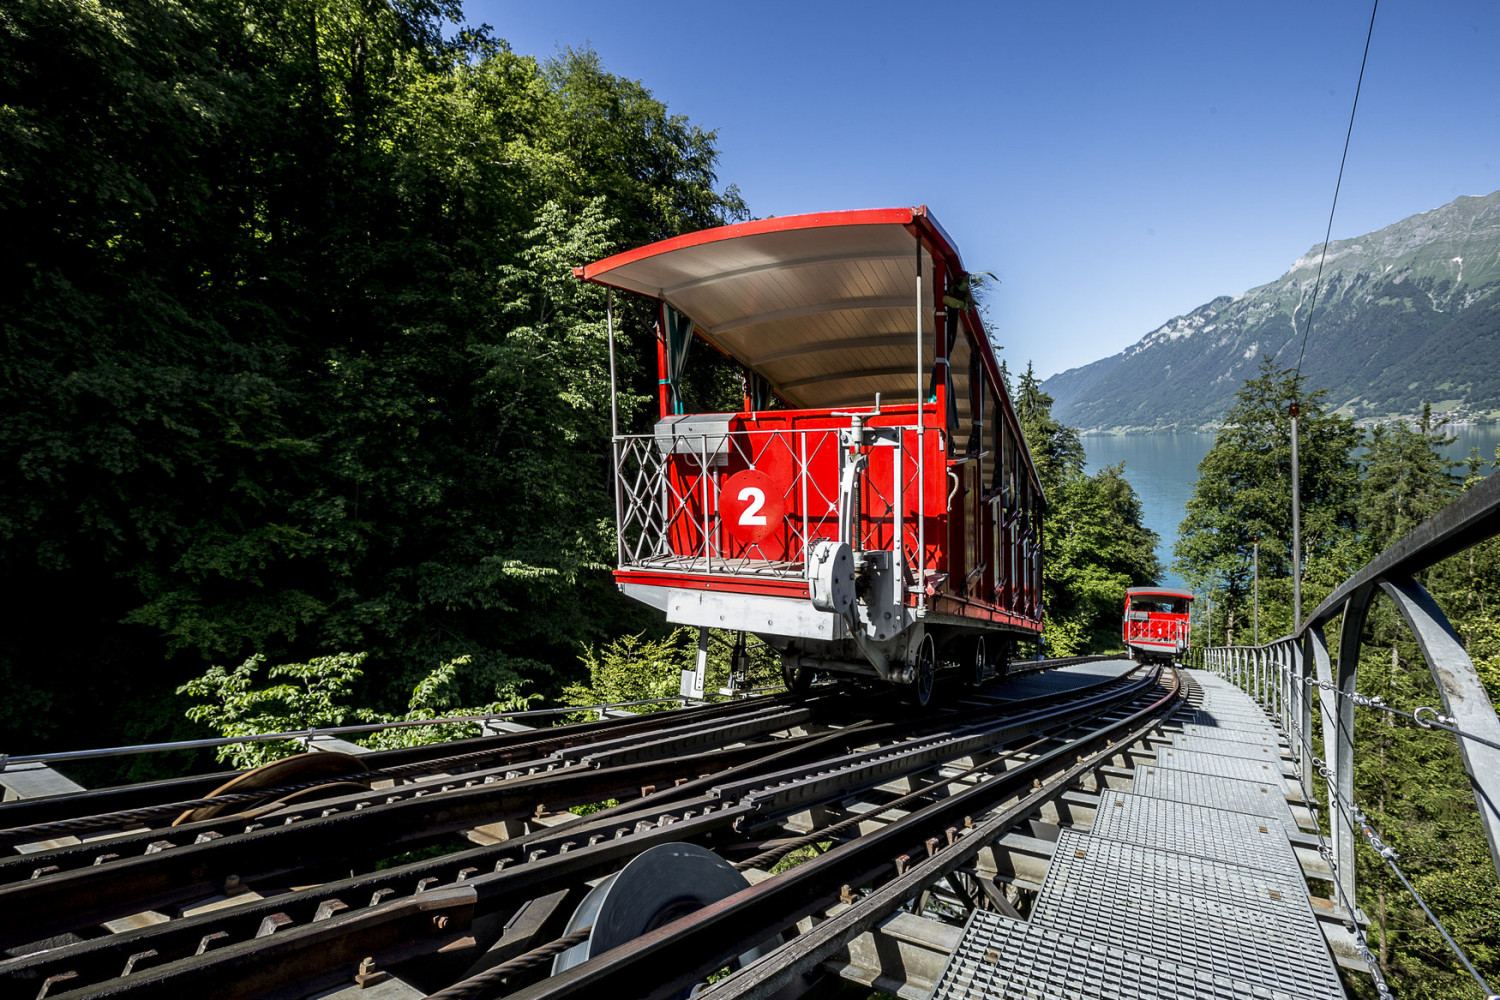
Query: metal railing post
point(1303, 733)
point(1284, 691)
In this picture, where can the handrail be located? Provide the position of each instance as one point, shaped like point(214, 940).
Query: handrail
point(1277, 676)
point(1471, 518)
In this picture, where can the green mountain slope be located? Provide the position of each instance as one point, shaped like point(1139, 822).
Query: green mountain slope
point(1407, 314)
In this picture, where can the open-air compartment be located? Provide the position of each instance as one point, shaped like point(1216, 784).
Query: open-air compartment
point(872, 508)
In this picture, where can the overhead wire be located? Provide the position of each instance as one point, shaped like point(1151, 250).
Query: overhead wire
point(1328, 233)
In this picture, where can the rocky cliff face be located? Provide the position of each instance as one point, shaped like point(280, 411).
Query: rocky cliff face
point(1407, 314)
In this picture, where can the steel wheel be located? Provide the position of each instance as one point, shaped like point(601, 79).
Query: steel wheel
point(657, 887)
point(925, 670)
point(981, 663)
point(797, 679)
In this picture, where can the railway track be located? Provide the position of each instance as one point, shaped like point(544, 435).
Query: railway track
point(450, 866)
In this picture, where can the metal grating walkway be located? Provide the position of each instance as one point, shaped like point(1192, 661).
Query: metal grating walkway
point(1003, 958)
point(1186, 886)
point(1259, 798)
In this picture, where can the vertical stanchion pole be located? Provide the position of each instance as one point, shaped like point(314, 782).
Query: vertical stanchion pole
point(1284, 655)
point(806, 516)
point(1296, 526)
point(708, 559)
point(614, 430)
point(1256, 558)
point(1304, 705)
point(921, 453)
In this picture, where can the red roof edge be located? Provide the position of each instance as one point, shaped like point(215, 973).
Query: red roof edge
point(814, 220)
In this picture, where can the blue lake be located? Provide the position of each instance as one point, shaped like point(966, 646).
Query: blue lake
point(1163, 468)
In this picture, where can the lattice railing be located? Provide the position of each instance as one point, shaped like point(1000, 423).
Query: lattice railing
point(669, 510)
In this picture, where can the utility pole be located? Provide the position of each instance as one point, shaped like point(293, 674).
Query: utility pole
point(1293, 411)
point(1257, 589)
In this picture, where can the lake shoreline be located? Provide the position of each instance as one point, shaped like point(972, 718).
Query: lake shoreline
point(1162, 466)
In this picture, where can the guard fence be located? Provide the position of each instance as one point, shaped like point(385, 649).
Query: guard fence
point(1296, 677)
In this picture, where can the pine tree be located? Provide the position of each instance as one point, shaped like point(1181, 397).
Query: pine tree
point(1097, 542)
point(1243, 494)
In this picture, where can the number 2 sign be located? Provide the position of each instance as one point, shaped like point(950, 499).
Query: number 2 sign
point(750, 504)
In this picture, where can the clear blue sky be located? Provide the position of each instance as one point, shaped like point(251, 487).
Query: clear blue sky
point(1115, 164)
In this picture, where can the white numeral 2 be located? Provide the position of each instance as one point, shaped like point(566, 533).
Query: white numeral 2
point(752, 514)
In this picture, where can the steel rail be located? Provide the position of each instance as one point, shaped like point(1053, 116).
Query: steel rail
point(89, 893)
point(687, 950)
point(593, 753)
point(102, 958)
point(682, 738)
point(528, 867)
point(807, 951)
point(26, 818)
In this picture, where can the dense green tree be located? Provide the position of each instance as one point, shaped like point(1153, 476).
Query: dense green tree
point(1406, 479)
point(1097, 547)
point(1243, 494)
point(1096, 542)
point(1056, 450)
point(296, 363)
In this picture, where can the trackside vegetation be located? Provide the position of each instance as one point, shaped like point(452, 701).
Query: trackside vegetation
point(296, 374)
point(1361, 491)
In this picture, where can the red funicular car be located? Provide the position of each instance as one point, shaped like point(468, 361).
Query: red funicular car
point(872, 509)
point(1157, 627)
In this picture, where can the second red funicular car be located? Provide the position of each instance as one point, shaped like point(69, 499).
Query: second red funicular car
point(1157, 623)
point(872, 508)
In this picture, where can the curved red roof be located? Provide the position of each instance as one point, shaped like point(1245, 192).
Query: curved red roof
point(823, 305)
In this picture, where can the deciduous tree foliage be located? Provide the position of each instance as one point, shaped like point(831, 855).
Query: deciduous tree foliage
point(1096, 542)
point(1244, 493)
point(1409, 781)
point(294, 361)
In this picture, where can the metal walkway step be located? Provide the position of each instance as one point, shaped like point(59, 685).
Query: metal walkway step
point(1258, 798)
point(1000, 958)
point(1187, 885)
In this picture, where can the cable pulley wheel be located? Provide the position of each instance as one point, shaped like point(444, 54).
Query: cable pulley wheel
point(659, 886)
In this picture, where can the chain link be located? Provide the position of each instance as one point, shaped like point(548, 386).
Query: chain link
point(1438, 721)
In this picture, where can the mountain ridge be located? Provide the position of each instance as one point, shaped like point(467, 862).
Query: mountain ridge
point(1407, 314)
